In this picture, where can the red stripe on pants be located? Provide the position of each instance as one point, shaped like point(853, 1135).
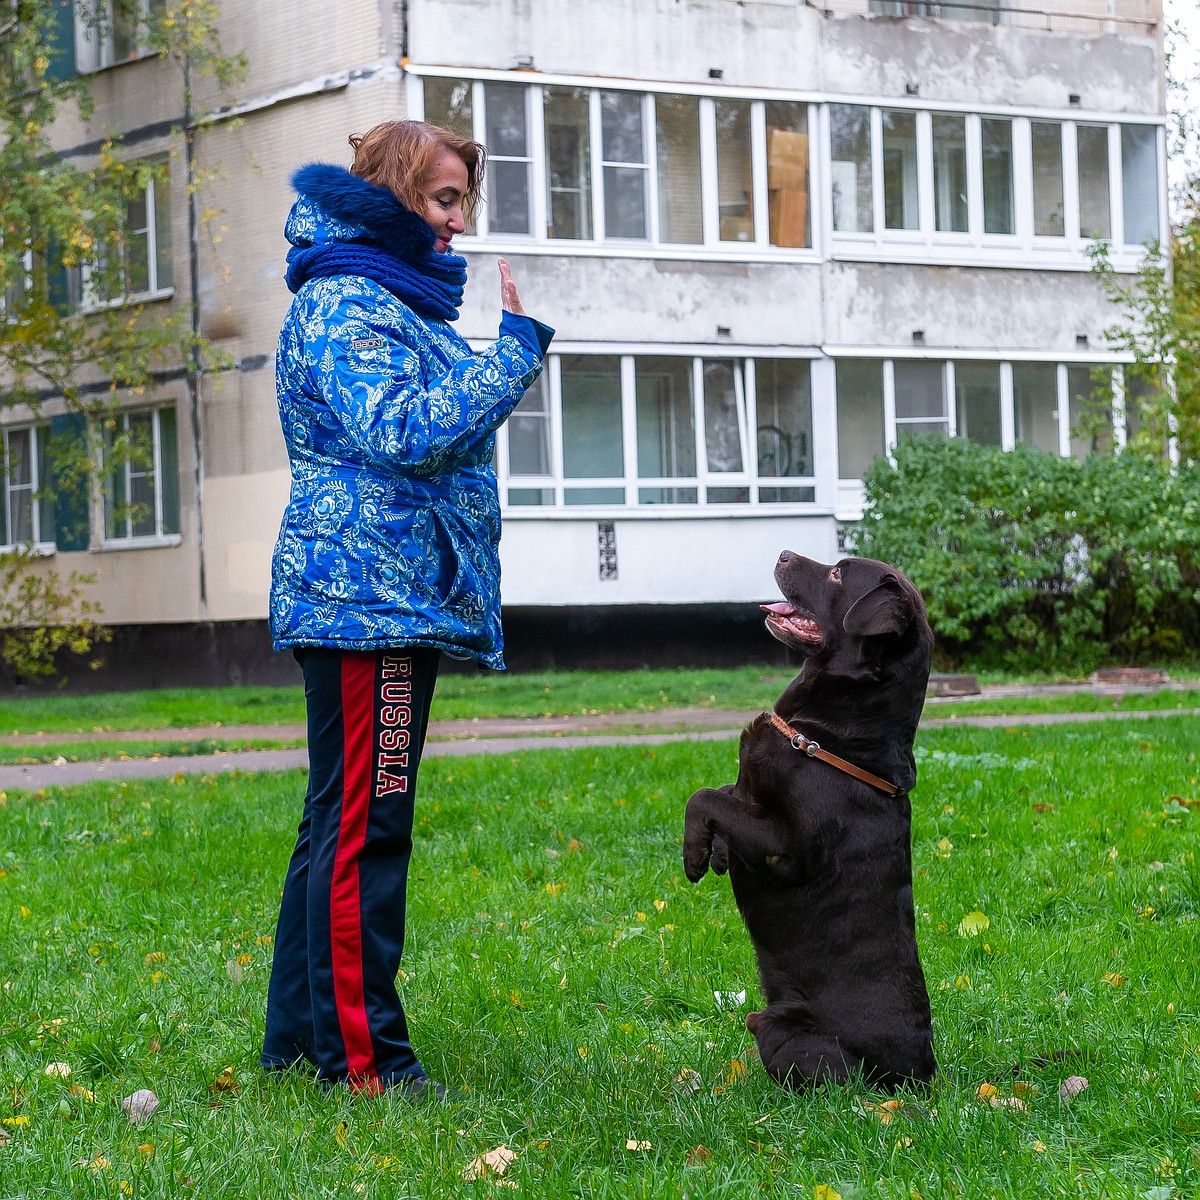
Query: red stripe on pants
point(345, 909)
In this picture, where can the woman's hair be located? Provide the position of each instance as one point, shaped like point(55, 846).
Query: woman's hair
point(399, 155)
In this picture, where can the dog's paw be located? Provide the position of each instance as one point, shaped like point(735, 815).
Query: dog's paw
point(719, 861)
point(696, 857)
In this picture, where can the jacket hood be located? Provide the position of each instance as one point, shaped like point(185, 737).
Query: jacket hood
point(336, 206)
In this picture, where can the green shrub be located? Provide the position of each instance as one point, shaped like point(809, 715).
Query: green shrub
point(1026, 559)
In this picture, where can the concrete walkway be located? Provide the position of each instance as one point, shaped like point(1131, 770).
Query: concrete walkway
point(505, 735)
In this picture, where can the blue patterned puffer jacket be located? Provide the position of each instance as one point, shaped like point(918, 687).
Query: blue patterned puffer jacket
point(390, 537)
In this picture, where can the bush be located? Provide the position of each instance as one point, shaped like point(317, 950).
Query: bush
point(1028, 560)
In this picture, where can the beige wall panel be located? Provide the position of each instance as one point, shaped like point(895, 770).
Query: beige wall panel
point(242, 517)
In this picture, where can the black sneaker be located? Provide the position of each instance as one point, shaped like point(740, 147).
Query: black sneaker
point(420, 1089)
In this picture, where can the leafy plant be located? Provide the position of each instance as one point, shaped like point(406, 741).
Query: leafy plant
point(1027, 559)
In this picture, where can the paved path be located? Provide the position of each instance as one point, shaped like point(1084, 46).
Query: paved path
point(499, 735)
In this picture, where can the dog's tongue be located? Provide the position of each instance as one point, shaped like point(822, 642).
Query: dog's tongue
point(779, 608)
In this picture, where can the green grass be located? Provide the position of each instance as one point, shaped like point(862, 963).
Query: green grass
point(562, 693)
point(561, 970)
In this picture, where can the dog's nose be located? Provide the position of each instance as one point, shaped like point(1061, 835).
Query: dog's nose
point(785, 556)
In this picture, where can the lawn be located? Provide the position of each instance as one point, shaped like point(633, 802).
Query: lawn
point(563, 973)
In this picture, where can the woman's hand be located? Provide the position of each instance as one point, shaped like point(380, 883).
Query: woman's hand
point(509, 300)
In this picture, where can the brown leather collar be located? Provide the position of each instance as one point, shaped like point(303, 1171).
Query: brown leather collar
point(813, 750)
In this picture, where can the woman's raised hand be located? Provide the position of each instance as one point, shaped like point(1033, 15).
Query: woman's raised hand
point(509, 300)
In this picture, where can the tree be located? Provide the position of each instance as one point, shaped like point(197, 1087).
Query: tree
point(69, 337)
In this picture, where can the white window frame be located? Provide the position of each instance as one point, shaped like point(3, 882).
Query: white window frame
point(129, 540)
point(39, 542)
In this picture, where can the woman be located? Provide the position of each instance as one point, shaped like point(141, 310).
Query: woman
point(387, 557)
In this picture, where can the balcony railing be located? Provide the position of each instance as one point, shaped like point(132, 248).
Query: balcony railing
point(1069, 16)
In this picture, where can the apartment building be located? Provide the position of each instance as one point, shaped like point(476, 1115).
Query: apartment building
point(774, 239)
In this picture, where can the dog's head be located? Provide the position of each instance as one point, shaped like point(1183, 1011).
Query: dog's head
point(852, 618)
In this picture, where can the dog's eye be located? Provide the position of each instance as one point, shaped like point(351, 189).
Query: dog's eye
point(835, 574)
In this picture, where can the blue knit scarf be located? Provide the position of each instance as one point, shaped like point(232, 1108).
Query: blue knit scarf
point(394, 248)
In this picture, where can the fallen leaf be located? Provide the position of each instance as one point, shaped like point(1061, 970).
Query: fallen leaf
point(822, 1191)
point(57, 1070)
point(696, 1155)
point(688, 1080)
point(225, 1082)
point(735, 1071)
point(1113, 979)
point(1039, 1147)
point(1071, 1087)
point(140, 1107)
point(14, 1120)
point(493, 1162)
point(886, 1110)
point(634, 1144)
point(985, 1091)
point(944, 847)
point(341, 1135)
point(146, 1149)
point(1020, 1088)
point(1039, 806)
point(973, 924)
point(77, 1089)
point(234, 970)
point(659, 905)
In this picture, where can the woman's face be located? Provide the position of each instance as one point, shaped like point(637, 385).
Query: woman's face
point(443, 196)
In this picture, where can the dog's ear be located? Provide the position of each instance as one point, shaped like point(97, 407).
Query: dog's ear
point(886, 608)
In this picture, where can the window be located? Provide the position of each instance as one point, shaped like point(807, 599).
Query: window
point(677, 124)
point(143, 268)
point(950, 173)
point(1035, 405)
point(141, 476)
point(21, 518)
point(1089, 392)
point(659, 429)
point(666, 430)
point(785, 432)
point(996, 140)
point(1094, 211)
point(859, 415)
point(111, 31)
point(977, 401)
point(510, 160)
point(787, 173)
point(591, 423)
point(1139, 178)
point(920, 398)
point(568, 162)
point(850, 137)
point(45, 476)
point(735, 189)
point(1047, 178)
point(625, 165)
point(900, 210)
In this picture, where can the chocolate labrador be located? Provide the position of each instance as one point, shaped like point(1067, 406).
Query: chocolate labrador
point(816, 832)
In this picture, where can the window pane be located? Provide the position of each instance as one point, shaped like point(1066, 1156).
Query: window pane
point(141, 475)
point(509, 198)
point(997, 176)
point(666, 424)
point(568, 163)
point(678, 128)
point(20, 486)
point(529, 432)
point(124, 29)
point(137, 246)
point(1047, 179)
point(920, 398)
point(859, 415)
point(900, 170)
point(722, 437)
point(505, 104)
point(850, 137)
point(1094, 216)
point(784, 417)
point(977, 401)
point(448, 104)
point(950, 173)
point(1091, 418)
point(623, 145)
point(666, 427)
point(1035, 405)
point(528, 497)
point(508, 165)
point(787, 173)
point(1139, 182)
point(591, 417)
point(162, 231)
point(168, 453)
point(734, 186)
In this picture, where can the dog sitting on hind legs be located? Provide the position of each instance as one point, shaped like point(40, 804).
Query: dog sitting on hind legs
point(816, 832)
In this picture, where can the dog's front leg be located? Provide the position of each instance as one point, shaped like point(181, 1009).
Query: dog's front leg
point(720, 824)
point(701, 821)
